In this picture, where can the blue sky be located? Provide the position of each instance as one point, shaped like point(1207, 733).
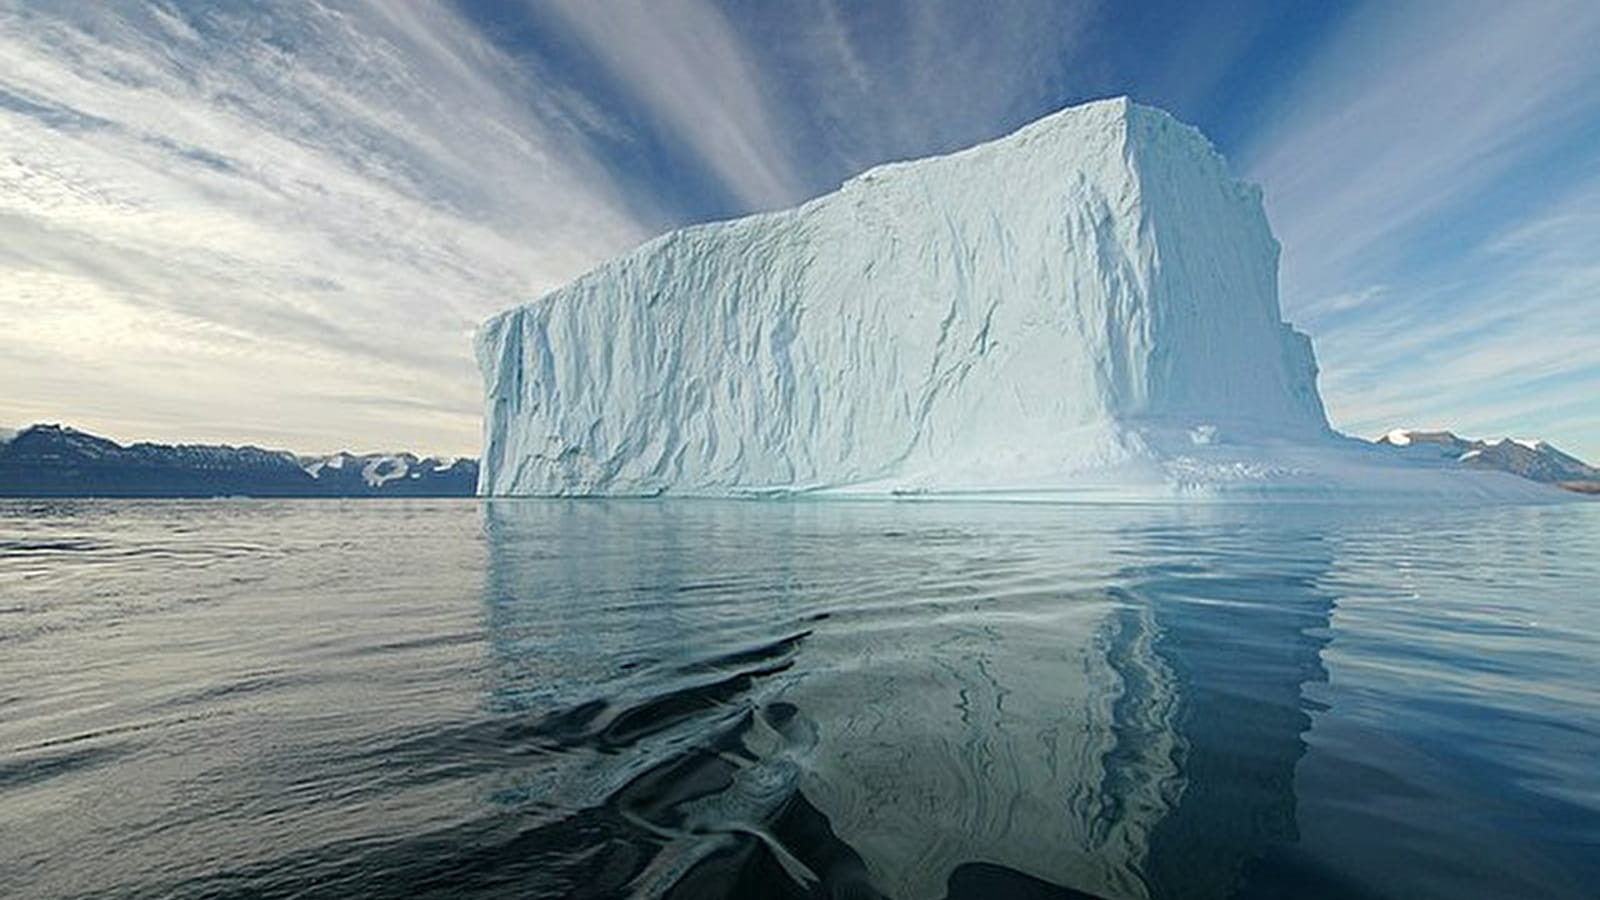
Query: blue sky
point(280, 223)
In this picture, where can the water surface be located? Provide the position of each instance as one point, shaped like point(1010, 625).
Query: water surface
point(747, 699)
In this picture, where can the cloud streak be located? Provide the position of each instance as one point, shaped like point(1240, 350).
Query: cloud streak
point(780, 102)
point(211, 219)
point(1419, 134)
point(682, 59)
point(1458, 353)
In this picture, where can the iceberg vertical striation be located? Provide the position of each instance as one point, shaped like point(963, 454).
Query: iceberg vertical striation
point(1040, 312)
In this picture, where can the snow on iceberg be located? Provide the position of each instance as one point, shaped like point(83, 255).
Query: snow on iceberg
point(1087, 304)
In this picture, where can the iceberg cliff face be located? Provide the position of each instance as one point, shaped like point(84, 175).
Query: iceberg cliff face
point(1062, 306)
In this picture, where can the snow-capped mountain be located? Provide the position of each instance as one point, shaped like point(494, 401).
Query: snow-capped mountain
point(379, 472)
point(55, 461)
point(1087, 304)
point(1533, 459)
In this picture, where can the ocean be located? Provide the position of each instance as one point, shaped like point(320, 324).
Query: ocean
point(743, 699)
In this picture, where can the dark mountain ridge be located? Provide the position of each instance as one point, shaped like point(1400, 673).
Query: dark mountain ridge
point(57, 461)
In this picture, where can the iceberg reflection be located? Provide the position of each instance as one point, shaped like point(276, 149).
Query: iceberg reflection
point(910, 700)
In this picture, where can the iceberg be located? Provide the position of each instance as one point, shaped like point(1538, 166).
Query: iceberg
point(1088, 304)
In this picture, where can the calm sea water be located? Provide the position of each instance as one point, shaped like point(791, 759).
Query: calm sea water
point(699, 699)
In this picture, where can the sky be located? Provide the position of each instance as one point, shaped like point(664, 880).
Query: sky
point(280, 224)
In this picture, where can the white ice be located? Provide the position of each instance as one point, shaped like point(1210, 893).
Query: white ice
point(1085, 307)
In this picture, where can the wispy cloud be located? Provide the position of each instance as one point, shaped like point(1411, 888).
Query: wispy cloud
point(684, 61)
point(1413, 110)
point(871, 83)
point(785, 103)
point(1437, 150)
point(1507, 345)
point(213, 219)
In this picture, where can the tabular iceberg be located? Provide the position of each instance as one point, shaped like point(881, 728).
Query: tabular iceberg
point(1087, 303)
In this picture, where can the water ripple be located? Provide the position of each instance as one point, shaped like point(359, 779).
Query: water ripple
point(694, 699)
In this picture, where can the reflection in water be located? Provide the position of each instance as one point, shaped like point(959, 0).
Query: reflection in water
point(1241, 639)
point(743, 700)
point(973, 704)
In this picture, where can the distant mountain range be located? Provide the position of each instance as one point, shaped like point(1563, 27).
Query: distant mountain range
point(55, 461)
point(1534, 460)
